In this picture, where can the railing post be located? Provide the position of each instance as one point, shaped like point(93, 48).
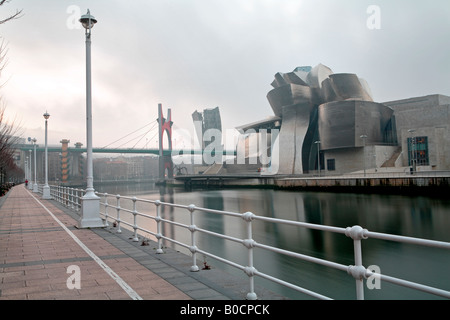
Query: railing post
point(158, 226)
point(74, 198)
point(106, 209)
point(135, 238)
point(193, 248)
point(71, 198)
point(78, 204)
point(65, 196)
point(118, 214)
point(249, 243)
point(357, 271)
point(358, 264)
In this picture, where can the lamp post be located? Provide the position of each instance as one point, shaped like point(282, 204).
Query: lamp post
point(318, 155)
point(412, 153)
point(35, 184)
point(46, 189)
point(90, 209)
point(30, 186)
point(26, 170)
point(364, 137)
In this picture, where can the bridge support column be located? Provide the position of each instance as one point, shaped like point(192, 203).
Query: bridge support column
point(64, 160)
point(165, 158)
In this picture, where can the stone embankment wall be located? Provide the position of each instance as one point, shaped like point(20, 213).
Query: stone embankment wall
point(416, 185)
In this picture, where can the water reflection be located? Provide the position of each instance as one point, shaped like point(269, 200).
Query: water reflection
point(417, 217)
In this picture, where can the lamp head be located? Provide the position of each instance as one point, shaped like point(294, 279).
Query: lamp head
point(46, 115)
point(87, 20)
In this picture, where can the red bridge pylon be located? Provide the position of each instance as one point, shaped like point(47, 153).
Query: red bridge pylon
point(165, 158)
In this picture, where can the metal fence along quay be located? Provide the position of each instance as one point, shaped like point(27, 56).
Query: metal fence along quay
point(133, 215)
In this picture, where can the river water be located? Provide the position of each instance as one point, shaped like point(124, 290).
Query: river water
point(422, 217)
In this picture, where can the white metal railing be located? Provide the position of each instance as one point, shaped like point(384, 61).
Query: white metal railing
point(72, 198)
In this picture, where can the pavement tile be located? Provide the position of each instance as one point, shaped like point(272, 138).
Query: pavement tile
point(35, 253)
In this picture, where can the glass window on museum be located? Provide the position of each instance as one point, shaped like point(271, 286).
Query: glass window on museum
point(418, 151)
point(331, 164)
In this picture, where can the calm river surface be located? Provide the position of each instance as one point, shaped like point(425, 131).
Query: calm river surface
point(421, 217)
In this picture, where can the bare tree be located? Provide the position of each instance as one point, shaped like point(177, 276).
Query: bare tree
point(9, 136)
point(3, 60)
point(16, 15)
point(9, 132)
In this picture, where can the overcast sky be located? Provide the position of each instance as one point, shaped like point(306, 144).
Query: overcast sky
point(194, 54)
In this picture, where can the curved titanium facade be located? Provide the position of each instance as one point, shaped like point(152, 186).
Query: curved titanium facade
point(316, 104)
point(342, 123)
point(344, 86)
point(320, 110)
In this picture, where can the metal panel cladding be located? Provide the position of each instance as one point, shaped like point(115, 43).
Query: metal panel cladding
point(341, 123)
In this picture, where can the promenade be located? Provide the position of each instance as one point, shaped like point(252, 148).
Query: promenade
point(44, 256)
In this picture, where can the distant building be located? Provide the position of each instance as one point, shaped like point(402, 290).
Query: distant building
point(66, 165)
point(125, 168)
point(422, 126)
point(209, 119)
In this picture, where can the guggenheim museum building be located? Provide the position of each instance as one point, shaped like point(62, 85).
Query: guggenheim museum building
point(329, 123)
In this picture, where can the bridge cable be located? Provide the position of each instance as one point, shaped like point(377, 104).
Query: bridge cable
point(136, 138)
point(153, 122)
point(142, 137)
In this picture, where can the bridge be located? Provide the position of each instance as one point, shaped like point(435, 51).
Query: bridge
point(26, 147)
point(71, 160)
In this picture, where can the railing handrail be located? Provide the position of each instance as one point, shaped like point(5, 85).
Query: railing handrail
point(72, 198)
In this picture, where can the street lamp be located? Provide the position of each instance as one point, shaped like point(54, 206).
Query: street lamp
point(30, 187)
point(412, 154)
point(318, 155)
point(46, 189)
point(35, 185)
point(364, 137)
point(26, 171)
point(90, 209)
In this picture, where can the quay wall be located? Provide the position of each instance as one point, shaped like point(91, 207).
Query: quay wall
point(409, 185)
point(365, 182)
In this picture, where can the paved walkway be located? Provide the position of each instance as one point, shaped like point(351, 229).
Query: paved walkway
point(44, 256)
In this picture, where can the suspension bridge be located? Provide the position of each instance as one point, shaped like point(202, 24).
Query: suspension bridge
point(141, 139)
